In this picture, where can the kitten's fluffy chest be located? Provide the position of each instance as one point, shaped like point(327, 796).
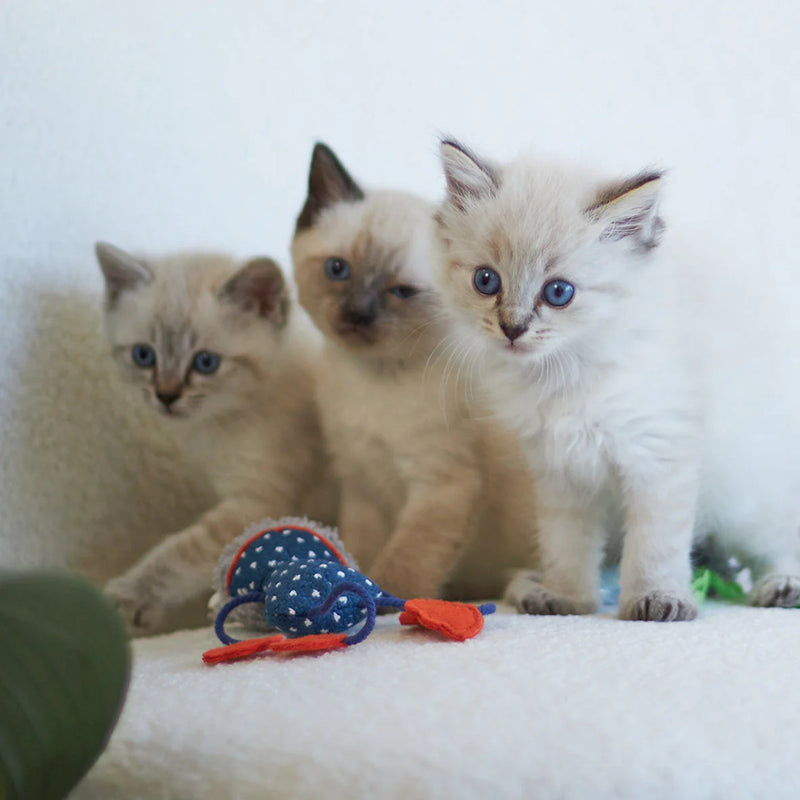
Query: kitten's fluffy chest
point(637, 410)
point(564, 435)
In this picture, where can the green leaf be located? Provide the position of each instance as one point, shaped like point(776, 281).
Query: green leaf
point(64, 667)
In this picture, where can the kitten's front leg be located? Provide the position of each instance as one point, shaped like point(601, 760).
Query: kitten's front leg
point(430, 535)
point(362, 524)
point(179, 568)
point(656, 570)
point(571, 539)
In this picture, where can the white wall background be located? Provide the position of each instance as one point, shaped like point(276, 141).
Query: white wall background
point(168, 123)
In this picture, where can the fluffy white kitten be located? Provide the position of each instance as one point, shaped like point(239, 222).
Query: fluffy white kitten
point(217, 348)
point(434, 496)
point(636, 376)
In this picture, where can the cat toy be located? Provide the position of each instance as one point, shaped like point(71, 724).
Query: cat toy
point(306, 586)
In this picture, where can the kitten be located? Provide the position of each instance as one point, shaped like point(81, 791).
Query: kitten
point(424, 482)
point(217, 348)
point(633, 374)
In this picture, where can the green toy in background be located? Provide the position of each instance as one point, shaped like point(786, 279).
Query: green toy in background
point(708, 583)
point(64, 667)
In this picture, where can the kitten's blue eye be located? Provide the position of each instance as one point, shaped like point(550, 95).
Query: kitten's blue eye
point(206, 362)
point(558, 293)
point(143, 356)
point(487, 281)
point(403, 292)
point(337, 269)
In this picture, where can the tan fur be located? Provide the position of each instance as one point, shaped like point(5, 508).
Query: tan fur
point(435, 499)
point(252, 425)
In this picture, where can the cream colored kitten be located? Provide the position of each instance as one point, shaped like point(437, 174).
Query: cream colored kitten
point(426, 483)
point(217, 347)
point(654, 393)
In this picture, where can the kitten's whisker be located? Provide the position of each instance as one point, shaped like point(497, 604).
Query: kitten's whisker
point(454, 350)
point(435, 318)
point(463, 378)
point(474, 366)
point(439, 351)
point(419, 329)
point(464, 372)
point(461, 359)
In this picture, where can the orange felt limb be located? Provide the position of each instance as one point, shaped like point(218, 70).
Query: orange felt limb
point(458, 621)
point(240, 650)
point(314, 643)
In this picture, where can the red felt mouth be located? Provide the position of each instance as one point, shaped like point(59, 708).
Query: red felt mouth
point(458, 621)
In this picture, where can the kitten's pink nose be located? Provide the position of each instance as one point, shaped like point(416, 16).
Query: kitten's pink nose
point(513, 332)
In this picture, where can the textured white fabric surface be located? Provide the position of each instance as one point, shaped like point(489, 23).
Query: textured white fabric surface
point(532, 708)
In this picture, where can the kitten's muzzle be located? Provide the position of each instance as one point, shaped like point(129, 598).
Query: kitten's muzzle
point(361, 309)
point(168, 398)
point(513, 332)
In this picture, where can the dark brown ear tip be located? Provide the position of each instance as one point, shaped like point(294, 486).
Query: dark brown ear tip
point(610, 192)
point(650, 175)
point(321, 149)
point(449, 141)
point(323, 157)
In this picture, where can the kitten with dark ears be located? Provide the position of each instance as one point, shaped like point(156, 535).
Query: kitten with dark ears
point(216, 347)
point(434, 498)
point(633, 373)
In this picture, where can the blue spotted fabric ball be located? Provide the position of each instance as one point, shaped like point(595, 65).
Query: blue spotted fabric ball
point(257, 559)
point(296, 587)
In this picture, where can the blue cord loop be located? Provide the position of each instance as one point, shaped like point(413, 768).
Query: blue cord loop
point(219, 623)
point(363, 595)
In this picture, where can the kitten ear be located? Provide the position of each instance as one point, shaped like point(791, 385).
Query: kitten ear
point(629, 209)
point(467, 176)
point(121, 270)
point(328, 182)
point(259, 288)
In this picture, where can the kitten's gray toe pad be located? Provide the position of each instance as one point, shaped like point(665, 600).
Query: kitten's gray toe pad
point(531, 597)
point(782, 591)
point(658, 606)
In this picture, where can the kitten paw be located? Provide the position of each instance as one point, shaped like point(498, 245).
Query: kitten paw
point(781, 591)
point(530, 597)
point(658, 606)
point(140, 610)
point(400, 582)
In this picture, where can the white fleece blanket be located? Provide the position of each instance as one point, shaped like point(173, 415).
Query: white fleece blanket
point(532, 708)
